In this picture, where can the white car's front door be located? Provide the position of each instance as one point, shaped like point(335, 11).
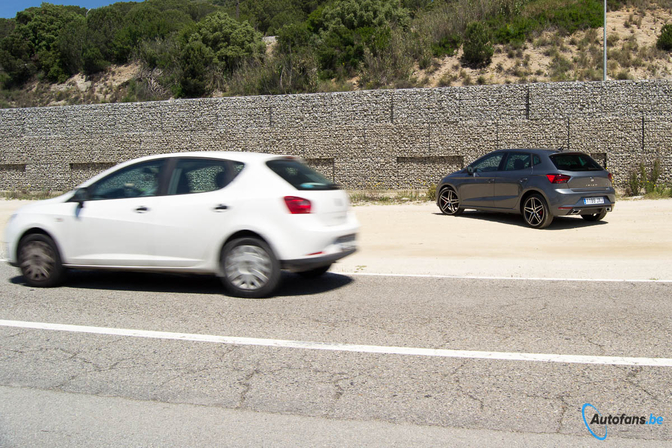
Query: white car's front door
point(116, 224)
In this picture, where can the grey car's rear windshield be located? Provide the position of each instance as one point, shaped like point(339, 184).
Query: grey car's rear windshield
point(575, 162)
point(300, 176)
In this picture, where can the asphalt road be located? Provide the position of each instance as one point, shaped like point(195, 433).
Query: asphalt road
point(64, 388)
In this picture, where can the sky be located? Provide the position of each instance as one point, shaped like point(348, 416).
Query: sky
point(9, 8)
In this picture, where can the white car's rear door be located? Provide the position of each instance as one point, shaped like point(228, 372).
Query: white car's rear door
point(196, 212)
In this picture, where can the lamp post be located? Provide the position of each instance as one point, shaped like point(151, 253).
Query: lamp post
point(604, 70)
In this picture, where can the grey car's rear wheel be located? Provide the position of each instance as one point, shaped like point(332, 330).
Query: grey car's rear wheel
point(449, 202)
point(39, 261)
point(249, 268)
point(595, 216)
point(536, 213)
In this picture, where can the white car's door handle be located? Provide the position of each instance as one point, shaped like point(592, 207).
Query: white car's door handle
point(141, 209)
point(221, 207)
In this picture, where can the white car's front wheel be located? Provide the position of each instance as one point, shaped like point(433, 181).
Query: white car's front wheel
point(39, 261)
point(249, 268)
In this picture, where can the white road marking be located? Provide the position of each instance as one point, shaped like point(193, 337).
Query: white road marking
point(485, 277)
point(308, 345)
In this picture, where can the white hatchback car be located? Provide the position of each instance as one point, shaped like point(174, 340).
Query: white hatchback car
point(241, 216)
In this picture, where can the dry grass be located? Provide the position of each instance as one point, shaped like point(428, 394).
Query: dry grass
point(632, 34)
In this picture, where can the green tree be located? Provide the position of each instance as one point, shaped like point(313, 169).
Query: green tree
point(477, 47)
point(196, 58)
point(349, 27)
point(665, 39)
point(103, 26)
point(44, 39)
point(230, 41)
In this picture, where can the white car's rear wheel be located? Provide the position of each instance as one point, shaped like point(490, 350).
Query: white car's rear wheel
point(249, 268)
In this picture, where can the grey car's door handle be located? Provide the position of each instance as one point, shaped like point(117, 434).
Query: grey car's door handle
point(221, 207)
point(491, 181)
point(524, 179)
point(141, 209)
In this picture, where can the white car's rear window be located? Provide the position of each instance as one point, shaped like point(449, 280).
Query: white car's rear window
point(299, 175)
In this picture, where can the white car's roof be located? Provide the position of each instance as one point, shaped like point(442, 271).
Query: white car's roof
point(245, 157)
point(229, 155)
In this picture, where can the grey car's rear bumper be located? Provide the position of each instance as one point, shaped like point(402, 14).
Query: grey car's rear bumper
point(569, 202)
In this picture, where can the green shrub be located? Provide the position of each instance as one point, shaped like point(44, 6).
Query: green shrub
point(665, 39)
point(447, 46)
point(431, 193)
point(634, 185)
point(477, 47)
point(623, 75)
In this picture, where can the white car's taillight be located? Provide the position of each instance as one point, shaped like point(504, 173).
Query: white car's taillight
point(297, 206)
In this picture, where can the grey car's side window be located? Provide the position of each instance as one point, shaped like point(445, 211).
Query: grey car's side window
point(488, 163)
point(139, 180)
point(201, 175)
point(517, 161)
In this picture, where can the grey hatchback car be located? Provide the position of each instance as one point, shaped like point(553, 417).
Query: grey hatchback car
point(536, 183)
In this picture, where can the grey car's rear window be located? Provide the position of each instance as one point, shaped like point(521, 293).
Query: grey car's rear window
point(300, 176)
point(575, 162)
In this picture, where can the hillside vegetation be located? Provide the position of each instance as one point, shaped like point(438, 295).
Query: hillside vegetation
point(160, 49)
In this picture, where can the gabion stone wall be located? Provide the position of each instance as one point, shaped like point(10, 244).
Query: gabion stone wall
point(386, 139)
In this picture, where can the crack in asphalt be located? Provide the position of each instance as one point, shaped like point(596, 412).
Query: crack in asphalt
point(246, 384)
point(631, 378)
point(455, 374)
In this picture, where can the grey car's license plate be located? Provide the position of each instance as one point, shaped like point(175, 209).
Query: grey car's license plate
point(593, 201)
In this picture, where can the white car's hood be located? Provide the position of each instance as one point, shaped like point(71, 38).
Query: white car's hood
point(28, 208)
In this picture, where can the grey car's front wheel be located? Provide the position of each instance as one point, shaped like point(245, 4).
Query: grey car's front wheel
point(249, 268)
point(536, 213)
point(39, 261)
point(449, 202)
point(596, 216)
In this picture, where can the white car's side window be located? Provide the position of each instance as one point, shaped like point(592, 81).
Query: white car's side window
point(138, 180)
point(199, 176)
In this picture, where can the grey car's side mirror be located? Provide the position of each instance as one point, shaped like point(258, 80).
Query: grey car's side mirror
point(470, 170)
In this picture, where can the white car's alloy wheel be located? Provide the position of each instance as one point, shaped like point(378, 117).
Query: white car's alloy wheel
point(249, 268)
point(39, 261)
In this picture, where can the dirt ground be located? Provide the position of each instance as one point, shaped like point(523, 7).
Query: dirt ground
point(633, 242)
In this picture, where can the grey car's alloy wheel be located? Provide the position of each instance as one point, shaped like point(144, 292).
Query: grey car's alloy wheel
point(449, 202)
point(39, 261)
point(595, 216)
point(249, 268)
point(536, 213)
